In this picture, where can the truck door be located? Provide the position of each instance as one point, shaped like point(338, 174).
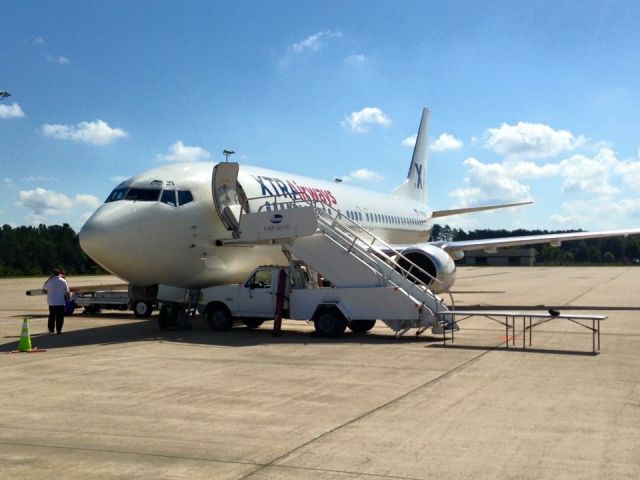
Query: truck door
point(256, 298)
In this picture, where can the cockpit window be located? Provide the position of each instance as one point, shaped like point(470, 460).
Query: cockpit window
point(169, 197)
point(143, 194)
point(184, 196)
point(117, 194)
point(151, 195)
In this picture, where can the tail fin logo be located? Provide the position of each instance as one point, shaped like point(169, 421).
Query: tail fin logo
point(418, 175)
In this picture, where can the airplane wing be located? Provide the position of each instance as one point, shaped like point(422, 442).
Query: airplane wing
point(555, 239)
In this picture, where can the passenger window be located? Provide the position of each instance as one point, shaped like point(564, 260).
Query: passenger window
point(143, 194)
point(169, 197)
point(184, 197)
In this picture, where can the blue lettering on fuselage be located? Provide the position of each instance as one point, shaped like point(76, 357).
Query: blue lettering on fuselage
point(265, 189)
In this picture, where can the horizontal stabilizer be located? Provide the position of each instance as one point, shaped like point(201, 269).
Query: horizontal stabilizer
point(458, 211)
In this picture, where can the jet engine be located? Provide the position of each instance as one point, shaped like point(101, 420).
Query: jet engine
point(435, 262)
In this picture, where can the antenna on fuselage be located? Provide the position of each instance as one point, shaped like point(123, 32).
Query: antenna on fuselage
point(227, 153)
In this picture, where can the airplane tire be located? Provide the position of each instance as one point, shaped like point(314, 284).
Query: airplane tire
point(253, 322)
point(330, 324)
point(219, 318)
point(172, 317)
point(361, 326)
point(142, 309)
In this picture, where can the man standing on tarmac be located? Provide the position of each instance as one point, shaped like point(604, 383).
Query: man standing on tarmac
point(57, 295)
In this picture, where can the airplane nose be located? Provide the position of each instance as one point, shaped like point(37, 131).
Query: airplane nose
point(104, 237)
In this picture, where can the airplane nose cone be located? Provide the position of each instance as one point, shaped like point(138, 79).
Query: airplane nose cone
point(108, 241)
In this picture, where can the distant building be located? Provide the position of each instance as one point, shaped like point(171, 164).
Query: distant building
point(523, 257)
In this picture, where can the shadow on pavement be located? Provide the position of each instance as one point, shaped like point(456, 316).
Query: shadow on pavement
point(135, 330)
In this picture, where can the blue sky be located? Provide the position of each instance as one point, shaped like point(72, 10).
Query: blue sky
point(529, 100)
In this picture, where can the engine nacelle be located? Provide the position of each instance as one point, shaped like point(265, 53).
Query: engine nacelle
point(433, 260)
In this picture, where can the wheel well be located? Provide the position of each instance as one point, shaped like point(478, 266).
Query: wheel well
point(216, 304)
point(326, 308)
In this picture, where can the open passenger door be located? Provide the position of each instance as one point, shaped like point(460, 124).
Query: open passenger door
point(228, 196)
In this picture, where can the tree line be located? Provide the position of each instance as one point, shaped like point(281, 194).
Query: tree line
point(30, 251)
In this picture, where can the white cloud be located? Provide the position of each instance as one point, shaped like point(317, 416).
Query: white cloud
point(594, 175)
point(43, 203)
point(360, 121)
point(599, 212)
point(410, 141)
point(530, 140)
point(8, 182)
point(97, 132)
point(355, 59)
point(11, 111)
point(520, 169)
point(60, 60)
point(179, 152)
point(314, 42)
point(363, 175)
point(38, 40)
point(86, 200)
point(445, 142)
point(489, 183)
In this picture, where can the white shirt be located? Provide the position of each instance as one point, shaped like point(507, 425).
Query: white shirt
point(57, 289)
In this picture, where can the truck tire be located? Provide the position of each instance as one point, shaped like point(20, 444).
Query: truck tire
point(91, 310)
point(361, 326)
point(330, 323)
point(172, 317)
point(142, 309)
point(253, 322)
point(219, 318)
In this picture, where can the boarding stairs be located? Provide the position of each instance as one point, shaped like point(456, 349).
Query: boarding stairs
point(344, 251)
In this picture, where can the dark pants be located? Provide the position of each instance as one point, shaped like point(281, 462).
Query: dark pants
point(56, 317)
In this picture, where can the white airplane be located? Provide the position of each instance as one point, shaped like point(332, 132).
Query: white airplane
point(164, 227)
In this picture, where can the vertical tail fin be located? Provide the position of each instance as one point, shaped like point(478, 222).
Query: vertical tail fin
point(414, 186)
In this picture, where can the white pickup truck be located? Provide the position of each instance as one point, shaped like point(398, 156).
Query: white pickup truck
point(254, 301)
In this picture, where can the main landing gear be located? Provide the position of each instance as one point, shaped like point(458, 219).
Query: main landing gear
point(173, 317)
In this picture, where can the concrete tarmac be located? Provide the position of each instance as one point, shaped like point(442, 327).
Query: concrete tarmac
point(116, 397)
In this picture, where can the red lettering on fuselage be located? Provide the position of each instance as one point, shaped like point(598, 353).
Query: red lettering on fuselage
point(290, 189)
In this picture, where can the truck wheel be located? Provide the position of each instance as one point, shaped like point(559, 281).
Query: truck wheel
point(252, 322)
point(361, 326)
point(219, 318)
point(142, 309)
point(91, 310)
point(330, 324)
point(172, 317)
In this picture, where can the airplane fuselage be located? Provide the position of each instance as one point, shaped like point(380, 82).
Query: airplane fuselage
point(161, 227)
